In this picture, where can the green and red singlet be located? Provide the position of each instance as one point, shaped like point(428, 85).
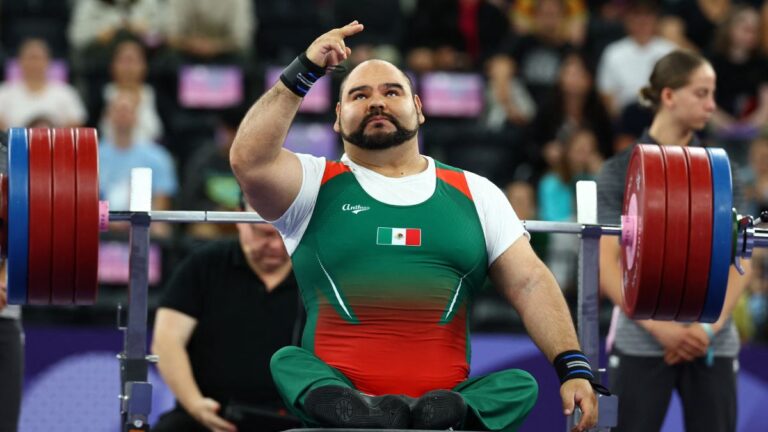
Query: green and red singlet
point(388, 288)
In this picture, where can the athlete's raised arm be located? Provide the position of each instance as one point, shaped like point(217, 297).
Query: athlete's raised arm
point(269, 175)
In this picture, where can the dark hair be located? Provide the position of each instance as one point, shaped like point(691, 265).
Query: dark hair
point(40, 121)
point(671, 71)
point(643, 7)
point(126, 39)
point(567, 139)
point(551, 118)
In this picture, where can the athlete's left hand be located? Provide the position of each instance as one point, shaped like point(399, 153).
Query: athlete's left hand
point(578, 392)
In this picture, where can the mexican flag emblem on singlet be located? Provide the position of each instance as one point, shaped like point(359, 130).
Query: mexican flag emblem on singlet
point(398, 236)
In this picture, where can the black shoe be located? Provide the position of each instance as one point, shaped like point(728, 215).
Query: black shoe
point(438, 409)
point(345, 407)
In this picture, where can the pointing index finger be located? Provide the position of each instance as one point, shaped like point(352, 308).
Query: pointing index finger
point(350, 29)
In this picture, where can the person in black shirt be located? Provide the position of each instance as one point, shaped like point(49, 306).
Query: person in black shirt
point(227, 308)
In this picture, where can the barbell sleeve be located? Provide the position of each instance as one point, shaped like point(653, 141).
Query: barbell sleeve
point(568, 227)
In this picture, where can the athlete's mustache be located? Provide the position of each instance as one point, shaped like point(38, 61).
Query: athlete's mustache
point(377, 112)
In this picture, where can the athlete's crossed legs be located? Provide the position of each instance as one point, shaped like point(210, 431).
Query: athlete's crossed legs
point(322, 396)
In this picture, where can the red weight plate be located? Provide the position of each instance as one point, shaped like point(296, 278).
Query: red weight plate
point(642, 252)
point(676, 237)
point(87, 225)
point(700, 238)
point(40, 217)
point(64, 198)
point(4, 216)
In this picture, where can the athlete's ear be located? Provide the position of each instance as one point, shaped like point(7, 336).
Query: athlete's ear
point(336, 125)
point(419, 112)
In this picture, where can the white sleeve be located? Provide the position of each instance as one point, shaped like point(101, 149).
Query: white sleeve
point(295, 220)
point(499, 221)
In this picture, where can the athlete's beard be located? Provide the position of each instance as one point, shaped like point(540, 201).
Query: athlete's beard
point(379, 141)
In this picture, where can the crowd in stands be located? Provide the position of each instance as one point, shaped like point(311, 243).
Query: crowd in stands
point(533, 94)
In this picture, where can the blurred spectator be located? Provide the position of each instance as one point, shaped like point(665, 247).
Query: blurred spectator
point(125, 151)
point(454, 34)
point(24, 19)
point(129, 71)
point(691, 24)
point(583, 155)
point(208, 180)
point(35, 95)
point(572, 26)
point(633, 121)
point(755, 178)
point(577, 158)
point(508, 102)
point(627, 63)
point(96, 24)
point(40, 122)
point(522, 195)
point(742, 74)
point(538, 54)
point(605, 25)
point(383, 31)
point(751, 312)
point(573, 104)
point(204, 30)
point(282, 33)
point(764, 27)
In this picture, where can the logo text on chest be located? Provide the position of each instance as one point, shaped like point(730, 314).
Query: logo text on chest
point(357, 208)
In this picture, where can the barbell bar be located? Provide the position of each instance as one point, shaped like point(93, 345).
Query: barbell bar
point(679, 233)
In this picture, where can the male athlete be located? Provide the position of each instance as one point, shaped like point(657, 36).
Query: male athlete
point(389, 247)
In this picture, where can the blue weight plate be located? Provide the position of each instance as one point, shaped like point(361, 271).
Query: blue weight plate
point(719, 267)
point(18, 215)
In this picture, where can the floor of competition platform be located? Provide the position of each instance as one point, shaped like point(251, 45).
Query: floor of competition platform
point(72, 380)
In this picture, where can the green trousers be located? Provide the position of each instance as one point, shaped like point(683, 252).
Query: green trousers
point(500, 401)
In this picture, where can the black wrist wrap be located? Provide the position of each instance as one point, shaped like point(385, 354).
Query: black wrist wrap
point(301, 74)
point(573, 364)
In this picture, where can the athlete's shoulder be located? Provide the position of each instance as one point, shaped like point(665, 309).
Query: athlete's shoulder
point(453, 176)
point(333, 168)
point(476, 186)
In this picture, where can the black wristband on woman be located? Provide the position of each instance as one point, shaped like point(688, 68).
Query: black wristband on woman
point(301, 74)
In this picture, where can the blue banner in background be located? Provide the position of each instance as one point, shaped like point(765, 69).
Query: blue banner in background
point(72, 381)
